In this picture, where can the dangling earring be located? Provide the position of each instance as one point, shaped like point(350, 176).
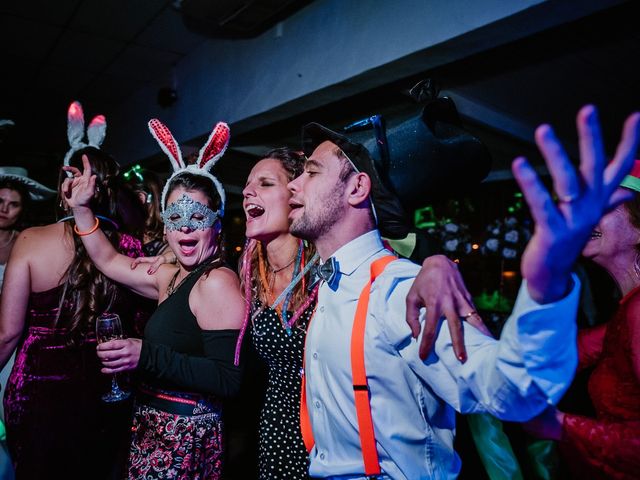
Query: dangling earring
point(636, 265)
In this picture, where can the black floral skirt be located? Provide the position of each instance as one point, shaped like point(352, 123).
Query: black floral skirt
point(176, 438)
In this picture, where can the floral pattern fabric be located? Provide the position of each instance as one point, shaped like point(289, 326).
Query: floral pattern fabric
point(171, 446)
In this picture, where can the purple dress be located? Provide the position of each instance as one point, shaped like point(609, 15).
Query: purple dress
point(57, 425)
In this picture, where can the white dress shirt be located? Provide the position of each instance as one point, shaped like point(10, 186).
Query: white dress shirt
point(413, 402)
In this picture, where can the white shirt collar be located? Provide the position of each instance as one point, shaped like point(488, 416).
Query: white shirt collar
point(353, 254)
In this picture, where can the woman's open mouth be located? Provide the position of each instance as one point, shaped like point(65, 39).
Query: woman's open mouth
point(253, 211)
point(187, 246)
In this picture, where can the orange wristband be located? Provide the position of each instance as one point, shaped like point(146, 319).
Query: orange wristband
point(88, 232)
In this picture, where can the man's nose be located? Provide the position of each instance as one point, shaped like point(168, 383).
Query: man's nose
point(293, 185)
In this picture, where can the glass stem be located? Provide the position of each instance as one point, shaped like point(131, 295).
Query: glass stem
point(115, 388)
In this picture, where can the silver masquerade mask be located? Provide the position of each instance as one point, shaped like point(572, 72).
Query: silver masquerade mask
point(186, 212)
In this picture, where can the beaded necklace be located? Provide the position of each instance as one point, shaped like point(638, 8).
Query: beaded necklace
point(281, 309)
point(302, 269)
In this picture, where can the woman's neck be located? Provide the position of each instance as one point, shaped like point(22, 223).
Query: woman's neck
point(281, 251)
point(625, 270)
point(6, 236)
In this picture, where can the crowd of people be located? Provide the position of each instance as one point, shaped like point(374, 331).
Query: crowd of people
point(361, 382)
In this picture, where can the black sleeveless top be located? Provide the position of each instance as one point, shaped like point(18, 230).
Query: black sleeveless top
point(179, 355)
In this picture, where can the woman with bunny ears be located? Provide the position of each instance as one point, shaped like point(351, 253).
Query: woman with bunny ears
point(186, 359)
point(57, 424)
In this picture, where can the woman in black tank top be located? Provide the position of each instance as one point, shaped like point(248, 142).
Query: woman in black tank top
point(186, 361)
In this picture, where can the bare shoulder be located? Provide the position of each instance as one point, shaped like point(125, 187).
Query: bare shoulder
point(216, 300)
point(45, 240)
point(222, 277)
point(219, 285)
point(41, 234)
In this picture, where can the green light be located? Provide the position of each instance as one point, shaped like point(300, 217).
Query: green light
point(135, 170)
point(424, 217)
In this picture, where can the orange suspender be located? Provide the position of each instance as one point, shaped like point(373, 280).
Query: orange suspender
point(359, 375)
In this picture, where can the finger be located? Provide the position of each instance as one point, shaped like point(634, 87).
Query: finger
point(457, 336)
point(66, 185)
point(155, 266)
point(86, 166)
point(429, 332)
point(464, 303)
point(112, 345)
point(138, 261)
point(592, 157)
point(413, 305)
point(72, 170)
point(476, 321)
point(111, 371)
point(565, 180)
point(110, 362)
point(541, 206)
point(625, 153)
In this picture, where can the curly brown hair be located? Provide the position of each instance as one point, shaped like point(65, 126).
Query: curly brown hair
point(86, 290)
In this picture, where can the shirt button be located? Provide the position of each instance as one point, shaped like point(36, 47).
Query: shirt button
point(317, 404)
point(322, 309)
point(322, 456)
point(315, 355)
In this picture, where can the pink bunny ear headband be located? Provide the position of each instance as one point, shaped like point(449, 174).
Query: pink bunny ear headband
point(96, 131)
point(209, 154)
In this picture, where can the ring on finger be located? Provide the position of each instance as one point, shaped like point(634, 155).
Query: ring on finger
point(568, 198)
point(470, 314)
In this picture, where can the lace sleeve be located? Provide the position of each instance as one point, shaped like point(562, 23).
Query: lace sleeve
point(608, 447)
point(590, 341)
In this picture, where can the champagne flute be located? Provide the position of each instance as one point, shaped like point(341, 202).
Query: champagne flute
point(109, 327)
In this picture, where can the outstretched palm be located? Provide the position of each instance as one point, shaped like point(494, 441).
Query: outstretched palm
point(563, 228)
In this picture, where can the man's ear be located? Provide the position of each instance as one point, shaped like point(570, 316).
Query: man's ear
point(359, 188)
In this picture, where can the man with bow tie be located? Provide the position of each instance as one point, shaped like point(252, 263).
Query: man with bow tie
point(372, 407)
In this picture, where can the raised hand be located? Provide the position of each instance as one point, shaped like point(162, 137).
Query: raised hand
point(79, 189)
point(439, 287)
point(584, 195)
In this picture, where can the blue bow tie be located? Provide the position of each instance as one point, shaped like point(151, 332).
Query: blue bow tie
point(326, 271)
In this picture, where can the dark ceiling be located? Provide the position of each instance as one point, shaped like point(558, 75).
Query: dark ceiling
point(102, 52)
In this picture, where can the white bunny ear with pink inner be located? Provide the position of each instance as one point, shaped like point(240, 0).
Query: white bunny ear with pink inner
point(215, 147)
point(96, 131)
point(75, 124)
point(168, 144)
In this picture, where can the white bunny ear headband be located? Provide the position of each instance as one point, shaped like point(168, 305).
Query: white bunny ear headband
point(96, 131)
point(209, 154)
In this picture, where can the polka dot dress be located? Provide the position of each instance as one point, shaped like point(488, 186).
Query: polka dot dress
point(282, 454)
